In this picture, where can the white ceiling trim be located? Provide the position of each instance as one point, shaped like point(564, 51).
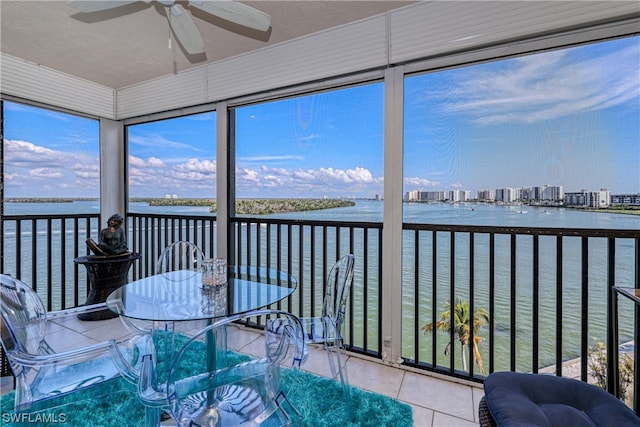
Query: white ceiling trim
point(408, 34)
point(23, 79)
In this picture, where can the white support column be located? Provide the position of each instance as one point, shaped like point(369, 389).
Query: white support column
point(392, 221)
point(222, 178)
point(113, 188)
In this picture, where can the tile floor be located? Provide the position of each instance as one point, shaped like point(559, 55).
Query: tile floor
point(436, 402)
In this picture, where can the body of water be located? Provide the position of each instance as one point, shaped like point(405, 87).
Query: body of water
point(419, 294)
point(369, 210)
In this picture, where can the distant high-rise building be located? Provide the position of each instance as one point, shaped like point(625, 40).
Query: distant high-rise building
point(552, 193)
point(431, 196)
point(576, 198)
point(631, 199)
point(599, 199)
point(506, 195)
point(526, 194)
point(459, 196)
point(487, 195)
point(412, 196)
point(588, 199)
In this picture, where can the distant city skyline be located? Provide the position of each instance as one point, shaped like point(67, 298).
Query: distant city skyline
point(564, 117)
point(525, 187)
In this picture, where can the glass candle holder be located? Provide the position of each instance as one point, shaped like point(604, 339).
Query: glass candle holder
point(214, 272)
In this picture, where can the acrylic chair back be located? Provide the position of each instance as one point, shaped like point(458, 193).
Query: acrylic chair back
point(337, 292)
point(44, 376)
point(180, 256)
point(23, 318)
point(208, 385)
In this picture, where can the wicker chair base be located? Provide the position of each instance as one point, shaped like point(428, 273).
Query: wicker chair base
point(484, 416)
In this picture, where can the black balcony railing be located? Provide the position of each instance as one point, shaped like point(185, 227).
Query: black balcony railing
point(547, 292)
point(307, 250)
point(149, 234)
point(40, 249)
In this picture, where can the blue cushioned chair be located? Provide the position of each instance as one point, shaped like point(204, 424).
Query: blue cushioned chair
point(518, 399)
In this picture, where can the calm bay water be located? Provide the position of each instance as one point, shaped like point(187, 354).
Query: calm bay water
point(460, 214)
point(365, 210)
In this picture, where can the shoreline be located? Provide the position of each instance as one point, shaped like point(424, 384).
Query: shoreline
point(279, 205)
point(243, 206)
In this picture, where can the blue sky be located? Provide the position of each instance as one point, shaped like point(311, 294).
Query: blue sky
point(569, 117)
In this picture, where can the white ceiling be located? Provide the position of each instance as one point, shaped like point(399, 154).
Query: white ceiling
point(129, 44)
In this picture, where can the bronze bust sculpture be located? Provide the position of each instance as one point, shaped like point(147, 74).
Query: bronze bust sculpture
point(112, 240)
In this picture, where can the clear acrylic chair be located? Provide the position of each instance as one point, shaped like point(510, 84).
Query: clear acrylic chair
point(180, 260)
point(209, 386)
point(327, 329)
point(44, 375)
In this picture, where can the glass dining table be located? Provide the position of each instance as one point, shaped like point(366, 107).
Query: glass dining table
point(180, 296)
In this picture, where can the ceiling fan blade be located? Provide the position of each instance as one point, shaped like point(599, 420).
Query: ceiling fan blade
point(235, 12)
point(89, 6)
point(185, 30)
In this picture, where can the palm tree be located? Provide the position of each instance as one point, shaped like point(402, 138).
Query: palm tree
point(462, 328)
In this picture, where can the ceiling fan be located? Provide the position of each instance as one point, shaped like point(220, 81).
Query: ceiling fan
point(181, 22)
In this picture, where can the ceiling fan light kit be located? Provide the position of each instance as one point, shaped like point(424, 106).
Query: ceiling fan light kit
point(182, 23)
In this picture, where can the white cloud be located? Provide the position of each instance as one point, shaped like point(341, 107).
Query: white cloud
point(303, 174)
point(155, 162)
point(46, 173)
point(308, 138)
point(248, 175)
point(23, 154)
point(307, 182)
point(191, 178)
point(545, 86)
point(34, 170)
point(196, 165)
point(135, 162)
point(417, 183)
point(269, 158)
point(155, 141)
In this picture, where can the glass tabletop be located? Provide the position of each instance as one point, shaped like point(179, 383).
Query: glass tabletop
point(179, 295)
point(631, 293)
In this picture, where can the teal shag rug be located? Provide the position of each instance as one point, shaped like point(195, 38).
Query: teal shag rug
point(321, 402)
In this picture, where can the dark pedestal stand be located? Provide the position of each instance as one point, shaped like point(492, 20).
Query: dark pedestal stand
point(106, 274)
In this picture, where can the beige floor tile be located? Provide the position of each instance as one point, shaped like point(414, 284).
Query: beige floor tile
point(440, 395)
point(375, 377)
point(109, 330)
point(72, 322)
point(317, 362)
point(238, 338)
point(65, 339)
point(422, 417)
point(444, 420)
point(478, 392)
point(254, 347)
